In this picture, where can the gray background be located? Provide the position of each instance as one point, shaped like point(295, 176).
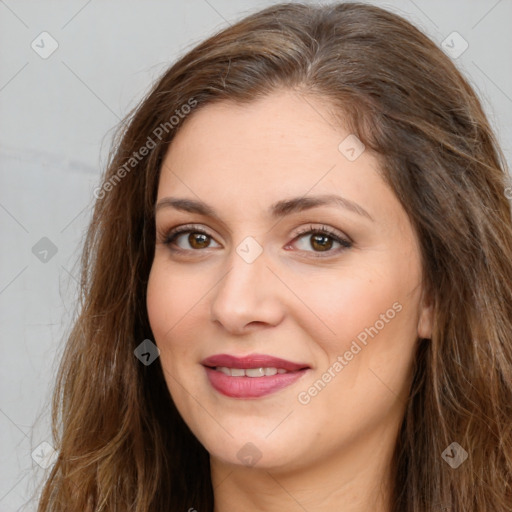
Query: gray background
point(56, 121)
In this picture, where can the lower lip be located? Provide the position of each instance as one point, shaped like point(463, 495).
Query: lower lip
point(251, 387)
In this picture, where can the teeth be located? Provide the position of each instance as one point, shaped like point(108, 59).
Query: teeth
point(255, 372)
point(249, 372)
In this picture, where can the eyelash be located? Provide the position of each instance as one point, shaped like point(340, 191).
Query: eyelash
point(171, 236)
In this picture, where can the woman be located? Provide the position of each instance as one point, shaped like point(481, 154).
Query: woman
point(297, 284)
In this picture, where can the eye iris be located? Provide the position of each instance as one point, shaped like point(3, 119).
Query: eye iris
point(193, 238)
point(324, 242)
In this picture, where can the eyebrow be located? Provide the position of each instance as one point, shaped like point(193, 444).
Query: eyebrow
point(277, 210)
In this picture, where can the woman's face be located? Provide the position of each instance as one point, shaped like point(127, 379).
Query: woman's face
point(254, 188)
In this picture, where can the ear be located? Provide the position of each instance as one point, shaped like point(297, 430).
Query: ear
point(426, 315)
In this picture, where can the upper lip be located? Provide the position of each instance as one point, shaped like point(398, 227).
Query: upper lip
point(252, 361)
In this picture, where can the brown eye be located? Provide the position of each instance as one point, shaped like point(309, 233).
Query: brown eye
point(321, 242)
point(197, 239)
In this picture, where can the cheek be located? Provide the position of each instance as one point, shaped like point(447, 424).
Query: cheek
point(365, 359)
point(364, 343)
point(343, 304)
point(172, 299)
point(173, 305)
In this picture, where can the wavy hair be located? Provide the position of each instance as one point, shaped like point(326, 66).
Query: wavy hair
point(122, 444)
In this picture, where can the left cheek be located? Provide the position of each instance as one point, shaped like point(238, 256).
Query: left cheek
point(346, 306)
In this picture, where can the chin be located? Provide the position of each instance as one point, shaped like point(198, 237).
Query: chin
point(256, 451)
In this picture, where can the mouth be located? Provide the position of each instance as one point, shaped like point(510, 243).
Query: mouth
point(251, 376)
point(250, 372)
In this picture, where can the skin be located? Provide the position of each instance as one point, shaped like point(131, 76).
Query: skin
point(294, 301)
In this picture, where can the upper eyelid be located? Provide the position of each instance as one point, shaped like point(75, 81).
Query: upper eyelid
point(320, 227)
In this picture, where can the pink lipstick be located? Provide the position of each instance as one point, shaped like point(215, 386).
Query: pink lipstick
point(251, 376)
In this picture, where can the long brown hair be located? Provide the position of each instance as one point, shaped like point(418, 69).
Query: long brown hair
point(122, 444)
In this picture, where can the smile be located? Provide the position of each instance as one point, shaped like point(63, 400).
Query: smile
point(250, 372)
point(251, 376)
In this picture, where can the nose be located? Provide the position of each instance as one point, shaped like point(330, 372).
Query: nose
point(248, 296)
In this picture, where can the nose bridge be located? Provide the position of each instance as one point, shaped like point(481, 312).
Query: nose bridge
point(246, 273)
point(245, 293)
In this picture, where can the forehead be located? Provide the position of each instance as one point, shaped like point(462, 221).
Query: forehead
point(281, 145)
point(281, 125)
